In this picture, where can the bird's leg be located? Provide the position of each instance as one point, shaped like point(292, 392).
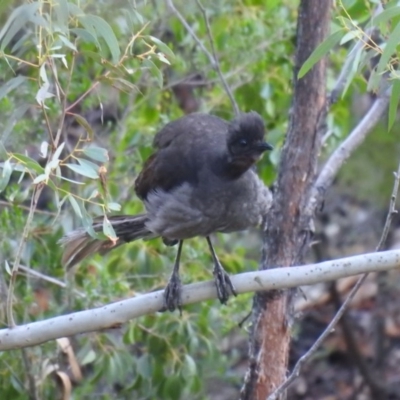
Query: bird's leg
point(222, 280)
point(173, 290)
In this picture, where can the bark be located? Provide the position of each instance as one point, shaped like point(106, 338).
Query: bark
point(287, 233)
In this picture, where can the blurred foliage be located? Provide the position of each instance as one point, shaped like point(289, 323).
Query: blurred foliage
point(84, 86)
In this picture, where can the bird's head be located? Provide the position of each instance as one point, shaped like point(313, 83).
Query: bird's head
point(245, 141)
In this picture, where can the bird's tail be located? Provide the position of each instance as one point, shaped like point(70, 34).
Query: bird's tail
point(79, 244)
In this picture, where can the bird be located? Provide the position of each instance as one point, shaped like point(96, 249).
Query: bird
point(201, 179)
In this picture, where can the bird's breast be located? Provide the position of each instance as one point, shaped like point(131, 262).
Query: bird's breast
point(214, 205)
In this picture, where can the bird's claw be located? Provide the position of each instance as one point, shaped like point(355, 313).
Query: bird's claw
point(173, 294)
point(223, 283)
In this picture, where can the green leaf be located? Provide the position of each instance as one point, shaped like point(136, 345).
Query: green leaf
point(57, 153)
point(154, 71)
point(320, 52)
point(72, 181)
point(383, 17)
point(17, 22)
point(108, 229)
point(67, 42)
point(40, 178)
point(143, 365)
point(351, 73)
point(89, 357)
point(7, 267)
point(104, 30)
point(6, 174)
point(389, 49)
point(14, 118)
point(86, 36)
point(96, 153)
point(89, 165)
point(44, 148)
point(84, 124)
point(394, 101)
point(124, 84)
point(75, 206)
point(349, 36)
point(29, 163)
point(11, 84)
point(163, 47)
point(138, 16)
point(83, 170)
point(61, 11)
point(114, 206)
point(190, 368)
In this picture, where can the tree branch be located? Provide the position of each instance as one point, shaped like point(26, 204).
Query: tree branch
point(114, 314)
point(347, 147)
point(211, 57)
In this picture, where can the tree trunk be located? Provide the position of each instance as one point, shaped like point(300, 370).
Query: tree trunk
point(287, 233)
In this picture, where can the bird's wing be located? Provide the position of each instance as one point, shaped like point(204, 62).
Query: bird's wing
point(189, 126)
point(181, 146)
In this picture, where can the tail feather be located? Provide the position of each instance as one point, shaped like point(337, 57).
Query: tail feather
point(79, 244)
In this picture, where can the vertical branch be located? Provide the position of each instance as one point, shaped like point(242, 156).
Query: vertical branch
point(287, 230)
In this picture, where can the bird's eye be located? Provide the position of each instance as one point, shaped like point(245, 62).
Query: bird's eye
point(243, 143)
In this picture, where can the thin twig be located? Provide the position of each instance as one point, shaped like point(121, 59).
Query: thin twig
point(306, 357)
point(347, 147)
point(35, 197)
point(26, 208)
point(348, 64)
point(211, 57)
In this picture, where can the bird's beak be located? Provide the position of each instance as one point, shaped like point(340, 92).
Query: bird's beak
point(264, 146)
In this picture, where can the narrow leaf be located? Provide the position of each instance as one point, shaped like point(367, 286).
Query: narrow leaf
point(89, 165)
point(86, 36)
point(96, 153)
point(84, 124)
point(7, 267)
point(57, 153)
point(40, 178)
point(6, 174)
point(320, 52)
point(108, 230)
point(10, 85)
point(82, 170)
point(163, 47)
point(16, 116)
point(383, 17)
point(28, 162)
point(75, 206)
point(394, 101)
point(389, 49)
point(17, 22)
point(104, 30)
point(44, 147)
point(155, 71)
point(114, 206)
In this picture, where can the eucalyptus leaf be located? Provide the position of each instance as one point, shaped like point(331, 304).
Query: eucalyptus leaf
point(11, 84)
point(75, 205)
point(6, 174)
point(82, 170)
point(323, 49)
point(104, 30)
point(28, 162)
point(394, 102)
point(96, 153)
point(162, 47)
point(108, 229)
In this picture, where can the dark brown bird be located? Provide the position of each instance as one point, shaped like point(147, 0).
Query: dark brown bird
point(199, 181)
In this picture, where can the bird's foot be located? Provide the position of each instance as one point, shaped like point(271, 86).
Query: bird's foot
point(173, 294)
point(223, 283)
